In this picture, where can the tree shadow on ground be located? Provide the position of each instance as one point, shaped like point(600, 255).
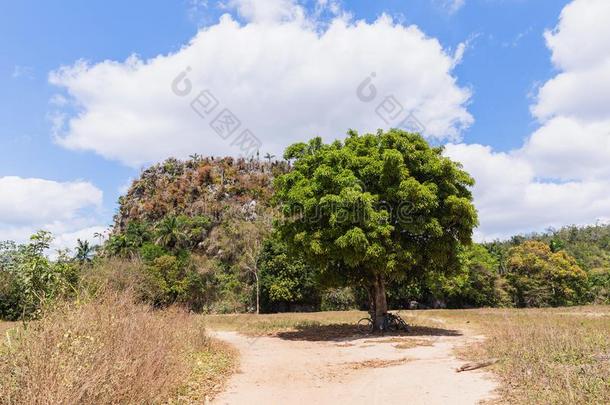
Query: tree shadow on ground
point(345, 332)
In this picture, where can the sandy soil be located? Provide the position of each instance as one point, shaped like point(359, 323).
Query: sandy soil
point(362, 370)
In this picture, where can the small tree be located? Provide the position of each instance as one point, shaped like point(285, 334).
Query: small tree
point(84, 251)
point(541, 277)
point(285, 279)
point(253, 235)
point(170, 232)
point(375, 208)
point(269, 157)
point(237, 243)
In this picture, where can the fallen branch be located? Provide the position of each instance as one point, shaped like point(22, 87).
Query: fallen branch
point(475, 365)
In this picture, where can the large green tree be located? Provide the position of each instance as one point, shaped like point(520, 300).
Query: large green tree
point(375, 208)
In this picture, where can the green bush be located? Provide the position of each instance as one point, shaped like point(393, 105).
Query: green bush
point(286, 281)
point(599, 286)
point(29, 280)
point(338, 299)
point(476, 283)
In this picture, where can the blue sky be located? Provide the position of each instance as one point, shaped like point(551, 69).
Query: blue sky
point(506, 61)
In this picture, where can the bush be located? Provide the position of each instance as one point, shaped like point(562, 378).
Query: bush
point(476, 284)
point(29, 280)
point(160, 281)
point(287, 283)
point(599, 286)
point(338, 299)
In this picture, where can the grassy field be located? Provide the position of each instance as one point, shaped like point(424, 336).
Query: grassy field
point(551, 356)
point(558, 356)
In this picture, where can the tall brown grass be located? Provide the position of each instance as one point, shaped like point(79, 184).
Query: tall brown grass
point(546, 356)
point(107, 351)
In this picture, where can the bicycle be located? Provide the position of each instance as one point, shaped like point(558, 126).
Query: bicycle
point(391, 323)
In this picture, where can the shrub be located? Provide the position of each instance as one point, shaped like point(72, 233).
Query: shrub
point(160, 281)
point(338, 299)
point(285, 279)
point(476, 284)
point(29, 280)
point(599, 286)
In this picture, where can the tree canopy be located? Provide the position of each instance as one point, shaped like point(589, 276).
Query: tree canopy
point(541, 277)
point(375, 207)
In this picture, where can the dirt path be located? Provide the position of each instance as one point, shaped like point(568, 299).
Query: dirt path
point(367, 371)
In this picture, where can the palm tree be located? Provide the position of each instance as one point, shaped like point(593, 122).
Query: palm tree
point(269, 156)
point(99, 236)
point(84, 251)
point(170, 232)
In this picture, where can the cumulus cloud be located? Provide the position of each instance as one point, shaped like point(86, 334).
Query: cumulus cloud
point(570, 149)
point(511, 199)
point(283, 74)
point(581, 37)
point(561, 174)
point(64, 208)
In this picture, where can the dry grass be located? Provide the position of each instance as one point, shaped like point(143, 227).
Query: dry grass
point(110, 351)
point(411, 343)
point(546, 356)
point(5, 326)
point(274, 323)
point(211, 368)
point(375, 363)
point(315, 326)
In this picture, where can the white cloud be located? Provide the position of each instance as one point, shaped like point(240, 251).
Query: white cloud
point(581, 50)
point(451, 6)
point(22, 71)
point(67, 209)
point(570, 149)
point(68, 240)
point(579, 93)
point(284, 77)
point(581, 37)
point(268, 11)
point(26, 200)
point(510, 199)
point(561, 175)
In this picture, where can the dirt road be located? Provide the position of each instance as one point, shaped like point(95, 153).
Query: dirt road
point(383, 370)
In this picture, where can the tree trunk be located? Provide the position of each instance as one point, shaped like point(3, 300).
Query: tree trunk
point(257, 294)
point(371, 296)
point(381, 304)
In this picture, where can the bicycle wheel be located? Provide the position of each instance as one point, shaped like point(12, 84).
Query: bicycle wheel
point(365, 325)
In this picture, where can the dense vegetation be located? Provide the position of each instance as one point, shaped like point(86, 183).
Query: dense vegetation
point(200, 233)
